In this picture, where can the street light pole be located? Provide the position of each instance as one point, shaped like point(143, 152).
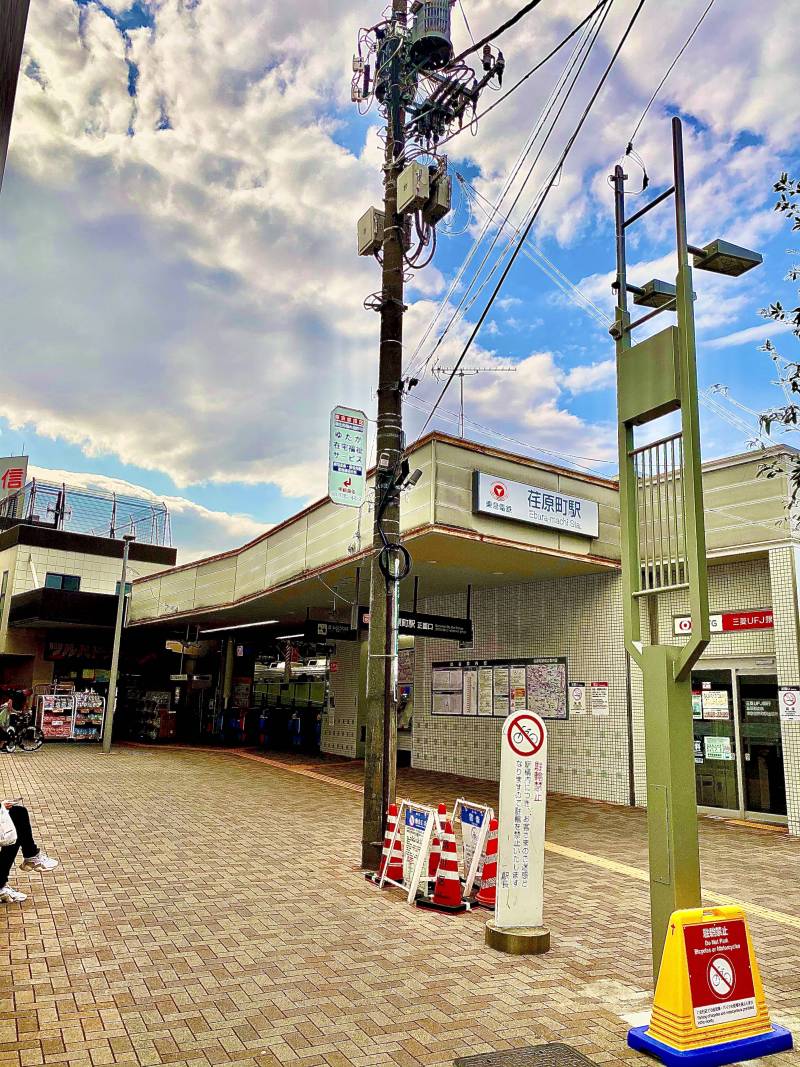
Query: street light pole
point(662, 529)
point(108, 726)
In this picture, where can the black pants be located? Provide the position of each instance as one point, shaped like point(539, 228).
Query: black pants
point(22, 821)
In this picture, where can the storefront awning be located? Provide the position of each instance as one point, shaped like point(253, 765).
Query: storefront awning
point(58, 609)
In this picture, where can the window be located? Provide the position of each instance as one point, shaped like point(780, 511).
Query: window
point(128, 587)
point(70, 583)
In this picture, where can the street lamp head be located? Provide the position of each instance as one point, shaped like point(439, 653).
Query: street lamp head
point(129, 537)
point(655, 294)
point(722, 257)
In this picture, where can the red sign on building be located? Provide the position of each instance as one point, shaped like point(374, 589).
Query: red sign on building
point(720, 978)
point(13, 478)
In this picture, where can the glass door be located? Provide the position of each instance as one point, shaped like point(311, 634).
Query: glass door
point(762, 752)
point(713, 716)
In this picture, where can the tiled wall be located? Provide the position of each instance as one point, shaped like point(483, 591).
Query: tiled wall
point(731, 587)
point(340, 723)
point(98, 574)
point(579, 618)
point(784, 567)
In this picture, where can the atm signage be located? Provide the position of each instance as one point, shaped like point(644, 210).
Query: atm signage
point(729, 622)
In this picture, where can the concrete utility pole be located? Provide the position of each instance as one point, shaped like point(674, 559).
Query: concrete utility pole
point(13, 18)
point(380, 753)
point(662, 525)
point(108, 726)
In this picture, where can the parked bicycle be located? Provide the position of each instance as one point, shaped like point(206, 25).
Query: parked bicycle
point(20, 732)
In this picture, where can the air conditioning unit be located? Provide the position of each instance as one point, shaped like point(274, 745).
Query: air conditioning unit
point(440, 201)
point(413, 188)
point(370, 232)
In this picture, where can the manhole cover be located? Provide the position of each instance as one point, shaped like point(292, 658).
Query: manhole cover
point(552, 1055)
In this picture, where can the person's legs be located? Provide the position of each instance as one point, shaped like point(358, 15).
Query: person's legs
point(7, 857)
point(22, 821)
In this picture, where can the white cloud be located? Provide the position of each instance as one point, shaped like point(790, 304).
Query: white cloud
point(591, 377)
point(751, 334)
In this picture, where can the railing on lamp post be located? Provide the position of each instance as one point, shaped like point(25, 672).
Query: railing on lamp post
point(663, 535)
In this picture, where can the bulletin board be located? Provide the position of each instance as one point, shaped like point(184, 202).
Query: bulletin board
point(492, 688)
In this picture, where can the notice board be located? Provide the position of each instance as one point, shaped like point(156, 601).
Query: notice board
point(492, 688)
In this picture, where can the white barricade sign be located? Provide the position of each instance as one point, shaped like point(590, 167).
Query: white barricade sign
point(523, 797)
point(417, 824)
point(474, 820)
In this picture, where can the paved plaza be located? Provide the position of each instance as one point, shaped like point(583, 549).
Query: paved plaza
point(210, 910)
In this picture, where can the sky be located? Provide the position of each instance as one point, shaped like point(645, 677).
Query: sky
point(180, 295)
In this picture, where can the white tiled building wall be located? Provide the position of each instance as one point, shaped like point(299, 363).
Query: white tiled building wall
point(340, 723)
point(579, 618)
point(784, 571)
point(98, 574)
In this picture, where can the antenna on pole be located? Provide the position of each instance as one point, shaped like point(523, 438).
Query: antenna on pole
point(440, 372)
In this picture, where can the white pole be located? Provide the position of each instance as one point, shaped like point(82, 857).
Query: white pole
point(112, 680)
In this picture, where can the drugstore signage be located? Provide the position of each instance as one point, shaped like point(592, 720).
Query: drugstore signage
point(728, 622)
point(347, 462)
point(532, 504)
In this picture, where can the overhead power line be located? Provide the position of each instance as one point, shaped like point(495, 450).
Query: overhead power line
point(540, 204)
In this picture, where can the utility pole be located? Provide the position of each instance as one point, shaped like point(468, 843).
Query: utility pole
point(380, 754)
point(662, 524)
point(111, 707)
point(422, 92)
point(441, 372)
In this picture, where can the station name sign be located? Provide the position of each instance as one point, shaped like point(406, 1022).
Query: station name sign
point(521, 502)
point(412, 623)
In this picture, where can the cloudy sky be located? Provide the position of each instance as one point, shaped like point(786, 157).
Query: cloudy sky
point(180, 296)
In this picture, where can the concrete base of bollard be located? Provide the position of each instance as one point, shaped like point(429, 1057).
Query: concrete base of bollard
point(518, 940)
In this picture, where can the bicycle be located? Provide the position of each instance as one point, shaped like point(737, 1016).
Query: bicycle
point(23, 733)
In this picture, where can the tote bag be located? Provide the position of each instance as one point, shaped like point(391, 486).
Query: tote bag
point(8, 831)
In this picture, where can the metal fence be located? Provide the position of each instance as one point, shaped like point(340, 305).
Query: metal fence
point(75, 510)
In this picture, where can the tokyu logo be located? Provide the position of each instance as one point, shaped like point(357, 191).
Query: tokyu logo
point(498, 490)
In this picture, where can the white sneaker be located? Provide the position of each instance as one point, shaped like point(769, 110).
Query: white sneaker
point(11, 896)
point(39, 862)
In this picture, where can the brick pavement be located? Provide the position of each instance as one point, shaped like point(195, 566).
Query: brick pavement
point(209, 911)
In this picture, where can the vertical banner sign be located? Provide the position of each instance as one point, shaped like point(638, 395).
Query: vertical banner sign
point(347, 457)
point(523, 795)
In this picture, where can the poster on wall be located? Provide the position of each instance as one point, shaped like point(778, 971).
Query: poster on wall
point(599, 698)
point(697, 704)
point(718, 748)
point(485, 690)
point(577, 698)
point(470, 703)
point(789, 703)
point(496, 687)
point(715, 704)
point(405, 666)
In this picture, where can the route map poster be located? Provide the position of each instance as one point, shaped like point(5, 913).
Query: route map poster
point(493, 687)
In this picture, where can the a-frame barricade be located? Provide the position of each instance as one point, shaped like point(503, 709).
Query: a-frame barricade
point(474, 821)
point(417, 823)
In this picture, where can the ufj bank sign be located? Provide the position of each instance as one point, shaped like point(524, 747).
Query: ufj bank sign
point(533, 504)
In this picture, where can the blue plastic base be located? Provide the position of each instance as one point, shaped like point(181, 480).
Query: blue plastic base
point(748, 1048)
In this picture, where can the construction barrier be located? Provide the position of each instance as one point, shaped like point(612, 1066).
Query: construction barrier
point(391, 865)
point(709, 1007)
point(407, 847)
point(474, 821)
point(487, 894)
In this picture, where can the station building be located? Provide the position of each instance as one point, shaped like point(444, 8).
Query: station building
point(530, 552)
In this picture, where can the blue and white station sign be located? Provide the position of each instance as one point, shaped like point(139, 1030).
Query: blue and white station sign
point(530, 503)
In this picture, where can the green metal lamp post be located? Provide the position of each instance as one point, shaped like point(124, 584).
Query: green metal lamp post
point(663, 536)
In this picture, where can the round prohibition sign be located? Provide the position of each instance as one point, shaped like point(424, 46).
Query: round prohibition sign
point(525, 735)
point(721, 977)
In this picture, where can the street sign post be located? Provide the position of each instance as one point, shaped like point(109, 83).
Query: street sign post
point(347, 457)
point(517, 925)
point(12, 35)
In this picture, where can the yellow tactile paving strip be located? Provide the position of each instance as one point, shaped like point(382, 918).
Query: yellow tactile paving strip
point(208, 911)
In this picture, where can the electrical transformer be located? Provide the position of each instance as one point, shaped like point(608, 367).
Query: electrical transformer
point(413, 188)
point(431, 47)
point(370, 232)
point(440, 201)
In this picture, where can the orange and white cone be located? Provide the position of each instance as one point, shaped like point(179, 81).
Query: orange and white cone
point(435, 855)
point(447, 891)
point(487, 894)
point(392, 854)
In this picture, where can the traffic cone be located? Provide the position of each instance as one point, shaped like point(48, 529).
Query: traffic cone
point(447, 891)
point(435, 855)
point(391, 857)
point(487, 894)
